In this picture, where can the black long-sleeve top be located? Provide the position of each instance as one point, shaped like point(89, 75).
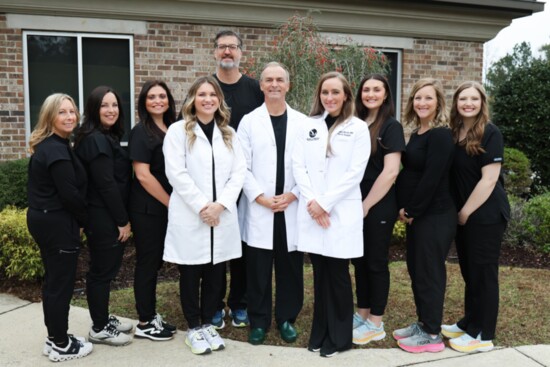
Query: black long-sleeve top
point(423, 184)
point(109, 171)
point(57, 179)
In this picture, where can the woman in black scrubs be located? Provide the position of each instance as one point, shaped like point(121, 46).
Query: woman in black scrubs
point(424, 196)
point(148, 205)
point(57, 212)
point(483, 212)
point(97, 144)
point(374, 104)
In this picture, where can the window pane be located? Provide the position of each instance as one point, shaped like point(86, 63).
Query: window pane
point(52, 63)
point(107, 62)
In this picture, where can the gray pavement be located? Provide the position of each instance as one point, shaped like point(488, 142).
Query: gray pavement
point(23, 335)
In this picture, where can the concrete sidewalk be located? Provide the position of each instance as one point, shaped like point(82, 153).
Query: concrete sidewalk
point(23, 337)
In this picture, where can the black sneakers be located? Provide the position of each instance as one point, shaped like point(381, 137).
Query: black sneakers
point(153, 330)
point(74, 350)
point(165, 325)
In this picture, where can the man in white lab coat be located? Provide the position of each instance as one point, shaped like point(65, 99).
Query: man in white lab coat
point(269, 204)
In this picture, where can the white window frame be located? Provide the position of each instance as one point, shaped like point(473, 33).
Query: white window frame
point(79, 36)
point(397, 97)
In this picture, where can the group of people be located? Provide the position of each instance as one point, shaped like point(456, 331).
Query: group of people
point(241, 178)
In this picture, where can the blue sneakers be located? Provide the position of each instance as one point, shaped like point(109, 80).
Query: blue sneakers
point(239, 318)
point(217, 320)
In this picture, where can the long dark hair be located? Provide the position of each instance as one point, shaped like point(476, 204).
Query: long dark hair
point(145, 118)
point(92, 120)
point(386, 110)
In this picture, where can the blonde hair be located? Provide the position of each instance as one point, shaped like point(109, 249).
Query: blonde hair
point(441, 118)
point(474, 135)
point(46, 118)
point(347, 108)
point(221, 116)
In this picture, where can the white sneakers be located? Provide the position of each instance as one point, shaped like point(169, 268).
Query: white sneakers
point(76, 348)
point(367, 332)
point(451, 331)
point(204, 340)
point(109, 335)
point(467, 344)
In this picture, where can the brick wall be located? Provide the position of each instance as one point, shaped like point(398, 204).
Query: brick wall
point(12, 115)
point(179, 53)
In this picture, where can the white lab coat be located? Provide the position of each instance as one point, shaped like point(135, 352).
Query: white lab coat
point(334, 183)
point(189, 171)
point(260, 150)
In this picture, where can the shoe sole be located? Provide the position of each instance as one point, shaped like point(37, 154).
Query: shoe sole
point(197, 351)
point(472, 348)
point(370, 338)
point(107, 342)
point(451, 334)
point(219, 327)
point(239, 325)
point(397, 337)
point(140, 334)
point(431, 348)
point(56, 357)
point(329, 355)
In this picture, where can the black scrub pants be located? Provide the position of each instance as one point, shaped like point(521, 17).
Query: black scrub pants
point(372, 274)
point(58, 237)
point(199, 292)
point(289, 280)
point(237, 285)
point(149, 233)
point(478, 248)
point(429, 238)
point(331, 329)
point(105, 260)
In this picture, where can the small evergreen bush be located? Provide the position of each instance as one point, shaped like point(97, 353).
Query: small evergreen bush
point(13, 183)
point(19, 254)
point(515, 234)
point(517, 172)
point(537, 222)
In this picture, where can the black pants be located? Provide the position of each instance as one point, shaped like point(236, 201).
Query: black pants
point(331, 328)
point(478, 248)
point(237, 285)
point(429, 238)
point(289, 280)
point(372, 274)
point(149, 233)
point(199, 291)
point(105, 260)
point(58, 238)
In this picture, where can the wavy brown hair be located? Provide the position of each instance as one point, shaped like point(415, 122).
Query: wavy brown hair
point(47, 116)
point(347, 108)
point(441, 118)
point(472, 142)
point(221, 116)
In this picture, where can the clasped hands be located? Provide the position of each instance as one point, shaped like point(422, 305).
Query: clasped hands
point(210, 214)
point(318, 214)
point(277, 203)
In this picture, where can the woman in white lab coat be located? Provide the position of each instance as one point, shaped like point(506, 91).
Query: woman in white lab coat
point(329, 161)
point(206, 168)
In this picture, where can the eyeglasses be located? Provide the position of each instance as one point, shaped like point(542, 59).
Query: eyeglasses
point(230, 47)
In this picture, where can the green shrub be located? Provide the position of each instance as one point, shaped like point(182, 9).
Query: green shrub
point(13, 183)
point(515, 234)
point(19, 254)
point(537, 221)
point(517, 172)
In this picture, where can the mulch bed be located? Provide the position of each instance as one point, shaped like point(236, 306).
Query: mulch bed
point(30, 290)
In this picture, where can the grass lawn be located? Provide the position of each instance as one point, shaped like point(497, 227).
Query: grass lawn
point(523, 318)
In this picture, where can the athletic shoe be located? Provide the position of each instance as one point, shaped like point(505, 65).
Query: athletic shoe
point(196, 341)
point(467, 344)
point(212, 337)
point(407, 332)
point(153, 330)
point(109, 335)
point(451, 331)
point(48, 344)
point(123, 327)
point(422, 342)
point(166, 326)
point(313, 349)
point(367, 332)
point(328, 353)
point(217, 320)
point(357, 320)
point(75, 349)
point(239, 318)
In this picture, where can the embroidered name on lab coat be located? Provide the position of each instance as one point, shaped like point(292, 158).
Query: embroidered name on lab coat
point(345, 133)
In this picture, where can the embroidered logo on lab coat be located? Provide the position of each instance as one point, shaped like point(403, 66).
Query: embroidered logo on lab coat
point(312, 135)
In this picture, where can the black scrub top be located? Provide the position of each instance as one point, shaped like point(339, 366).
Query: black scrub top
point(146, 147)
point(390, 140)
point(466, 173)
point(109, 172)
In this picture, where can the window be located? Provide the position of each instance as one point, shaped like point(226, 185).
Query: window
point(75, 64)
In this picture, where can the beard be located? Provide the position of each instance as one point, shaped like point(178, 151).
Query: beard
point(229, 64)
